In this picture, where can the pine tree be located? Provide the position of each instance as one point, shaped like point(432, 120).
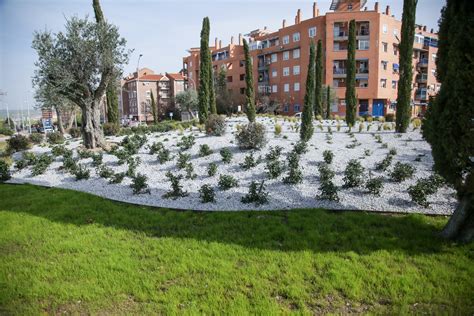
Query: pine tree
point(328, 102)
point(154, 110)
point(204, 74)
point(403, 114)
point(318, 91)
point(112, 104)
point(351, 99)
point(448, 125)
point(249, 91)
point(307, 129)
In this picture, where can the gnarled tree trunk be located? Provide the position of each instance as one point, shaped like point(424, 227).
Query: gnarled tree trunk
point(60, 121)
point(92, 132)
point(461, 224)
point(72, 117)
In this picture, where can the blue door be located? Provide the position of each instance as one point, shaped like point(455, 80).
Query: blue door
point(363, 107)
point(377, 108)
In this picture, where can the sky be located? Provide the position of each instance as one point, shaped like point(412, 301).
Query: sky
point(161, 30)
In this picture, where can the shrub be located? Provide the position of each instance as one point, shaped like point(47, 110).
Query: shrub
point(55, 138)
point(42, 162)
point(110, 129)
point(36, 138)
point(97, 159)
point(6, 131)
point(183, 160)
point(226, 155)
point(117, 178)
point(133, 163)
point(20, 164)
point(367, 152)
point(251, 136)
point(374, 185)
point(256, 194)
point(274, 153)
point(212, 169)
point(392, 152)
point(300, 148)
point(215, 125)
point(424, 187)
point(190, 171)
point(325, 172)
point(274, 168)
point(164, 156)
point(328, 156)
point(18, 143)
point(389, 117)
point(416, 122)
point(249, 162)
point(70, 164)
point(139, 184)
point(384, 164)
point(353, 174)
point(278, 130)
point(227, 182)
point(84, 153)
point(328, 191)
point(186, 142)
point(176, 188)
point(122, 154)
point(133, 143)
point(58, 150)
point(156, 147)
point(81, 173)
point(105, 172)
point(204, 150)
point(206, 193)
point(4, 171)
point(295, 175)
point(75, 132)
point(402, 172)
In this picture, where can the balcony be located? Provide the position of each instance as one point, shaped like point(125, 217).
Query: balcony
point(341, 35)
point(339, 72)
point(264, 89)
point(423, 78)
point(421, 94)
point(423, 63)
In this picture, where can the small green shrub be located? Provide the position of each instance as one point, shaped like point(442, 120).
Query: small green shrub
point(274, 168)
point(20, 164)
point(42, 162)
point(226, 155)
point(183, 160)
point(84, 153)
point(36, 138)
point(300, 148)
point(402, 172)
point(164, 156)
point(278, 130)
point(156, 147)
point(328, 191)
point(367, 152)
point(4, 171)
point(186, 142)
point(133, 163)
point(205, 150)
point(328, 156)
point(105, 172)
point(18, 142)
point(392, 152)
point(75, 132)
point(58, 150)
point(384, 164)
point(70, 164)
point(190, 171)
point(110, 129)
point(353, 174)
point(249, 162)
point(274, 153)
point(374, 185)
point(295, 175)
point(6, 131)
point(425, 187)
point(139, 184)
point(227, 182)
point(325, 172)
point(251, 136)
point(97, 159)
point(117, 178)
point(256, 194)
point(176, 187)
point(55, 138)
point(215, 125)
point(81, 173)
point(212, 169)
point(207, 194)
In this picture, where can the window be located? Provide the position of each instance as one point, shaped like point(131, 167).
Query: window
point(296, 53)
point(242, 77)
point(383, 83)
point(296, 86)
point(312, 31)
point(385, 28)
point(419, 39)
point(286, 108)
point(274, 58)
point(286, 39)
point(286, 55)
point(349, 6)
point(229, 78)
point(242, 90)
point(286, 71)
point(385, 47)
point(394, 84)
point(363, 45)
point(296, 108)
point(395, 50)
point(148, 93)
point(296, 37)
point(384, 64)
point(274, 88)
point(286, 87)
point(362, 83)
point(242, 63)
point(296, 70)
point(274, 73)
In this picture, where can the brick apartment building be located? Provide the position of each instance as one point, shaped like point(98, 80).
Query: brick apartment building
point(280, 59)
point(164, 89)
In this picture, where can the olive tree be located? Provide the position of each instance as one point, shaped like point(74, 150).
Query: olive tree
point(78, 63)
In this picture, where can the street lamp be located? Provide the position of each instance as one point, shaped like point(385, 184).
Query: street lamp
point(138, 82)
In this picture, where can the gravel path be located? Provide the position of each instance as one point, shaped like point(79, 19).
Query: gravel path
point(394, 198)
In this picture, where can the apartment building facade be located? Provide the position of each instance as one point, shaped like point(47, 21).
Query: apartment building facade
point(136, 91)
point(280, 59)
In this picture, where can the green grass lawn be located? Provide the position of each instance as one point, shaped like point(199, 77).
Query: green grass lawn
point(68, 252)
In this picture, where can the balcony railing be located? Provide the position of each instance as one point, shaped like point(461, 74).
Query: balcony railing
point(421, 94)
point(423, 62)
point(422, 78)
point(339, 71)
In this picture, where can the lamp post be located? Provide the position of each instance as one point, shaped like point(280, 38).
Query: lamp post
point(138, 82)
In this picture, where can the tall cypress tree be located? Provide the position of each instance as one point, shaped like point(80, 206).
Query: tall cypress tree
point(328, 102)
point(204, 89)
point(448, 124)
point(351, 99)
point(212, 91)
point(249, 90)
point(403, 114)
point(112, 104)
point(318, 92)
point(307, 128)
point(154, 110)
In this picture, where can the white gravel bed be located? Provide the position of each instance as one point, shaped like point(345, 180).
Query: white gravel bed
point(394, 197)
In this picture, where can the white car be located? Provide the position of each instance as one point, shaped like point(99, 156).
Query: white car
point(299, 114)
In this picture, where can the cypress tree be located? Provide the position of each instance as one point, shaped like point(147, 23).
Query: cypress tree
point(307, 128)
point(112, 103)
point(249, 91)
point(449, 125)
point(318, 92)
point(403, 114)
point(205, 67)
point(351, 99)
point(328, 102)
point(154, 110)
point(212, 91)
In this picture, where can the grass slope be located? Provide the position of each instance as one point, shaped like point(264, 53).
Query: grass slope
point(64, 251)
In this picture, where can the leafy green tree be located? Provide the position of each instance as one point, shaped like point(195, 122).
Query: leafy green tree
point(154, 109)
point(188, 101)
point(307, 128)
point(351, 99)
point(318, 91)
point(78, 64)
point(112, 103)
point(223, 98)
point(403, 114)
point(204, 73)
point(449, 122)
point(249, 90)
